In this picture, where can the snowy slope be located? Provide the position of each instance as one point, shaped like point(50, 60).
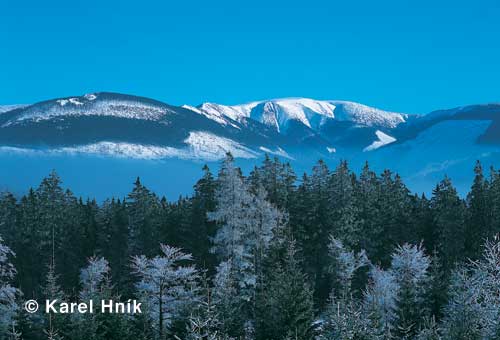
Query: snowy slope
point(99, 104)
point(278, 113)
point(7, 108)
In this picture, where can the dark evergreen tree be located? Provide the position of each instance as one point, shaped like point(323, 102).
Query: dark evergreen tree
point(28, 244)
point(367, 199)
point(344, 213)
point(143, 208)
point(112, 242)
point(203, 230)
point(285, 301)
point(479, 214)
point(317, 228)
point(494, 200)
point(449, 221)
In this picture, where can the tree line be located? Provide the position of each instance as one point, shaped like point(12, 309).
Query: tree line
point(331, 255)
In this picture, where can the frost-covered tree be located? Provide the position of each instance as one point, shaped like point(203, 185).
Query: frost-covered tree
point(166, 287)
point(346, 320)
point(410, 266)
point(473, 310)
point(56, 325)
point(225, 296)
point(345, 317)
point(463, 312)
point(429, 330)
point(380, 301)
point(8, 293)
point(345, 263)
point(234, 216)
point(94, 278)
point(247, 223)
point(204, 322)
point(96, 286)
point(267, 222)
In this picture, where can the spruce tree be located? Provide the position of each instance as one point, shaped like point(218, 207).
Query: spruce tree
point(367, 199)
point(410, 269)
point(230, 308)
point(143, 215)
point(344, 213)
point(449, 221)
point(285, 301)
point(380, 302)
point(246, 225)
point(479, 214)
point(203, 230)
point(96, 286)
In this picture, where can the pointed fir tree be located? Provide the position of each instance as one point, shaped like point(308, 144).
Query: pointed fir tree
point(449, 221)
point(143, 209)
point(285, 300)
point(367, 199)
point(203, 230)
point(479, 214)
point(345, 214)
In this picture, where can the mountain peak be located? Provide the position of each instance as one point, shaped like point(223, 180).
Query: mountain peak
point(93, 104)
point(278, 113)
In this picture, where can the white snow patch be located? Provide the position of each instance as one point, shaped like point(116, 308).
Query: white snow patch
point(205, 145)
point(114, 149)
point(90, 96)
point(213, 115)
point(123, 150)
point(62, 102)
point(383, 139)
point(278, 152)
point(75, 101)
point(201, 146)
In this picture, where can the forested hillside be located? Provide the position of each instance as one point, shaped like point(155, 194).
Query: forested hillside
point(273, 255)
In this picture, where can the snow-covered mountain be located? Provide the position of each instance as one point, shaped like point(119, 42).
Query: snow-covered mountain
point(109, 128)
point(314, 114)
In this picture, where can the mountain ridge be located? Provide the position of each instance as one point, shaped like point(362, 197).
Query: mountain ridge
point(301, 130)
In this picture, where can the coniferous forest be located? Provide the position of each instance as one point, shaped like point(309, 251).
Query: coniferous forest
point(327, 255)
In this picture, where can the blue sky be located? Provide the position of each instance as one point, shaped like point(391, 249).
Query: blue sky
point(409, 56)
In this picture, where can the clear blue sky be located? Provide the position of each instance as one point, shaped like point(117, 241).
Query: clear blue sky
point(410, 56)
